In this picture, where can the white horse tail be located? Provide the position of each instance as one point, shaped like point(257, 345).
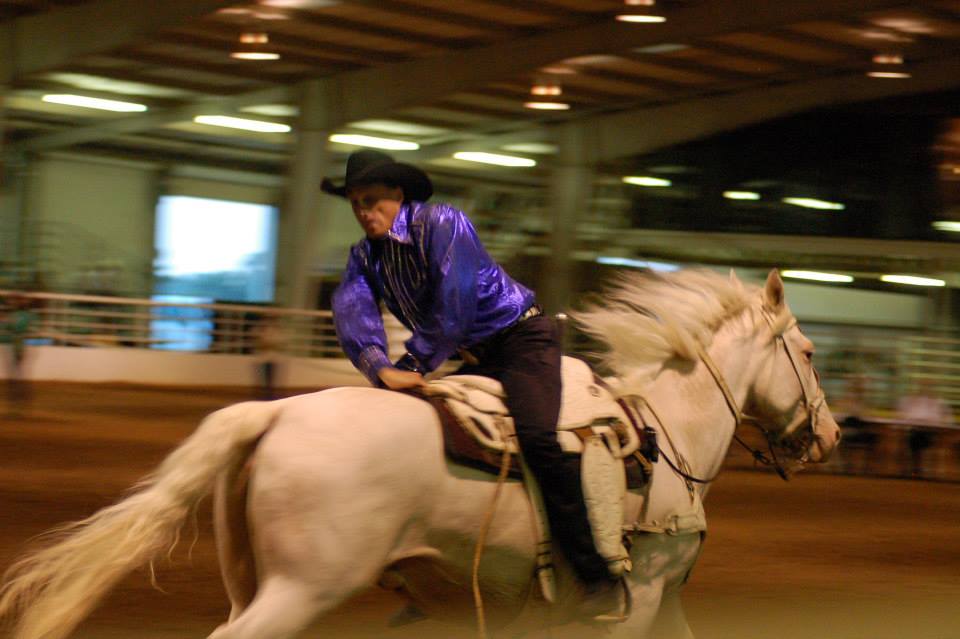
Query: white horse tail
point(56, 587)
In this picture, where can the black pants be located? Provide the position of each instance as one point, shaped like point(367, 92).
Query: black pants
point(525, 358)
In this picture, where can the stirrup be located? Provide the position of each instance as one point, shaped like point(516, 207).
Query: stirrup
point(626, 607)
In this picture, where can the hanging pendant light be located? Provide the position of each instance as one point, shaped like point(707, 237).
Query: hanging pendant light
point(253, 46)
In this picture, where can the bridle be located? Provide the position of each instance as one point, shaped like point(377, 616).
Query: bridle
point(797, 445)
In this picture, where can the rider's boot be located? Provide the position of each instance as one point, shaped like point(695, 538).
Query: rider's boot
point(602, 600)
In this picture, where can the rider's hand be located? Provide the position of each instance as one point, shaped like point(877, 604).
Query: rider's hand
point(396, 379)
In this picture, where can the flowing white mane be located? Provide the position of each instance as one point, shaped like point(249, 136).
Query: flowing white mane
point(646, 319)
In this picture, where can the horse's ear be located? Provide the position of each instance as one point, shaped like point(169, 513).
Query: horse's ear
point(773, 291)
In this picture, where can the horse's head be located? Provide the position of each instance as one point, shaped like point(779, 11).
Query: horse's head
point(786, 402)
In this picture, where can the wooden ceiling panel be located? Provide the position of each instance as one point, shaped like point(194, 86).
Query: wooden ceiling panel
point(515, 14)
point(297, 50)
point(644, 69)
point(105, 61)
point(591, 6)
point(180, 59)
point(917, 23)
point(450, 116)
point(225, 37)
point(491, 103)
point(521, 92)
point(842, 33)
point(723, 61)
point(199, 77)
point(332, 35)
point(588, 83)
point(779, 47)
point(221, 85)
point(418, 24)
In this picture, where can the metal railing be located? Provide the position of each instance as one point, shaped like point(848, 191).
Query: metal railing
point(95, 321)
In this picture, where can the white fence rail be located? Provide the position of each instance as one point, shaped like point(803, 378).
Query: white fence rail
point(86, 320)
point(877, 364)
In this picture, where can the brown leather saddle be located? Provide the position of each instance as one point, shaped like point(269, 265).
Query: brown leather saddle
point(477, 427)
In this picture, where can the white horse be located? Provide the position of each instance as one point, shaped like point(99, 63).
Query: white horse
point(322, 495)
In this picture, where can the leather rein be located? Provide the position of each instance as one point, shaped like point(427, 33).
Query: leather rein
point(811, 400)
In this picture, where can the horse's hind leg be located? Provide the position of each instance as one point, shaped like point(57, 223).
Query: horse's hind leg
point(282, 609)
point(237, 565)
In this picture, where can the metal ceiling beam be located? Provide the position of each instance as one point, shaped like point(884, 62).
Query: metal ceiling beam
point(50, 39)
point(381, 90)
point(648, 129)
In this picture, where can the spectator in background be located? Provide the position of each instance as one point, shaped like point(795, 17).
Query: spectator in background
point(923, 410)
point(859, 436)
point(267, 349)
point(17, 325)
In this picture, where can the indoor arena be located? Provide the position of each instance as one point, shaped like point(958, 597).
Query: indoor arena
point(285, 284)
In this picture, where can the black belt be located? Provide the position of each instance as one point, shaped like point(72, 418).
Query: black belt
point(475, 353)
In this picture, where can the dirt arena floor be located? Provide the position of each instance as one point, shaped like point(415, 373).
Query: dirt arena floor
point(823, 556)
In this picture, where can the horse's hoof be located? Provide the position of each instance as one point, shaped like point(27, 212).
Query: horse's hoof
point(407, 615)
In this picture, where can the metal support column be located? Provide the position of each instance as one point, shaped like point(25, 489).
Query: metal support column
point(570, 188)
point(300, 221)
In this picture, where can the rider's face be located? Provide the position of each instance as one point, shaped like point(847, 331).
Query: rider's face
point(375, 206)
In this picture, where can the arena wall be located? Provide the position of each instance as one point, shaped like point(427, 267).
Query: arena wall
point(142, 366)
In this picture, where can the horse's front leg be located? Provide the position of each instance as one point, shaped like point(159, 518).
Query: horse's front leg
point(671, 622)
point(645, 598)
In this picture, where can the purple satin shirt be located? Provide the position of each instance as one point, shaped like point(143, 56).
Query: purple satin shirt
point(434, 275)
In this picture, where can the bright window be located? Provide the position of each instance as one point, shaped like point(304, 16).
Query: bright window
point(210, 250)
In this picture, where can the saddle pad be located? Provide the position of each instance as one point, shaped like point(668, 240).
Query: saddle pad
point(477, 403)
point(585, 401)
point(477, 426)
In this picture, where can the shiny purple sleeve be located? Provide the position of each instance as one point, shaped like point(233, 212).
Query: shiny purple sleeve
point(356, 316)
point(454, 255)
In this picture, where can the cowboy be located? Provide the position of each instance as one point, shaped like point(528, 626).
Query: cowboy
point(427, 265)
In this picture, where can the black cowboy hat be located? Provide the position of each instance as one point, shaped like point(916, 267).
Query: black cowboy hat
point(373, 167)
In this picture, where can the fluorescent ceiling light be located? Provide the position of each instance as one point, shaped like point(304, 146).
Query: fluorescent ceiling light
point(912, 280)
point(632, 263)
point(94, 103)
point(374, 142)
point(547, 106)
point(242, 123)
point(741, 195)
point(667, 47)
point(594, 58)
point(532, 147)
point(559, 70)
point(397, 127)
point(274, 110)
point(494, 158)
point(645, 180)
point(816, 276)
point(947, 225)
point(888, 74)
point(640, 18)
point(98, 83)
point(255, 55)
point(812, 203)
point(299, 4)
